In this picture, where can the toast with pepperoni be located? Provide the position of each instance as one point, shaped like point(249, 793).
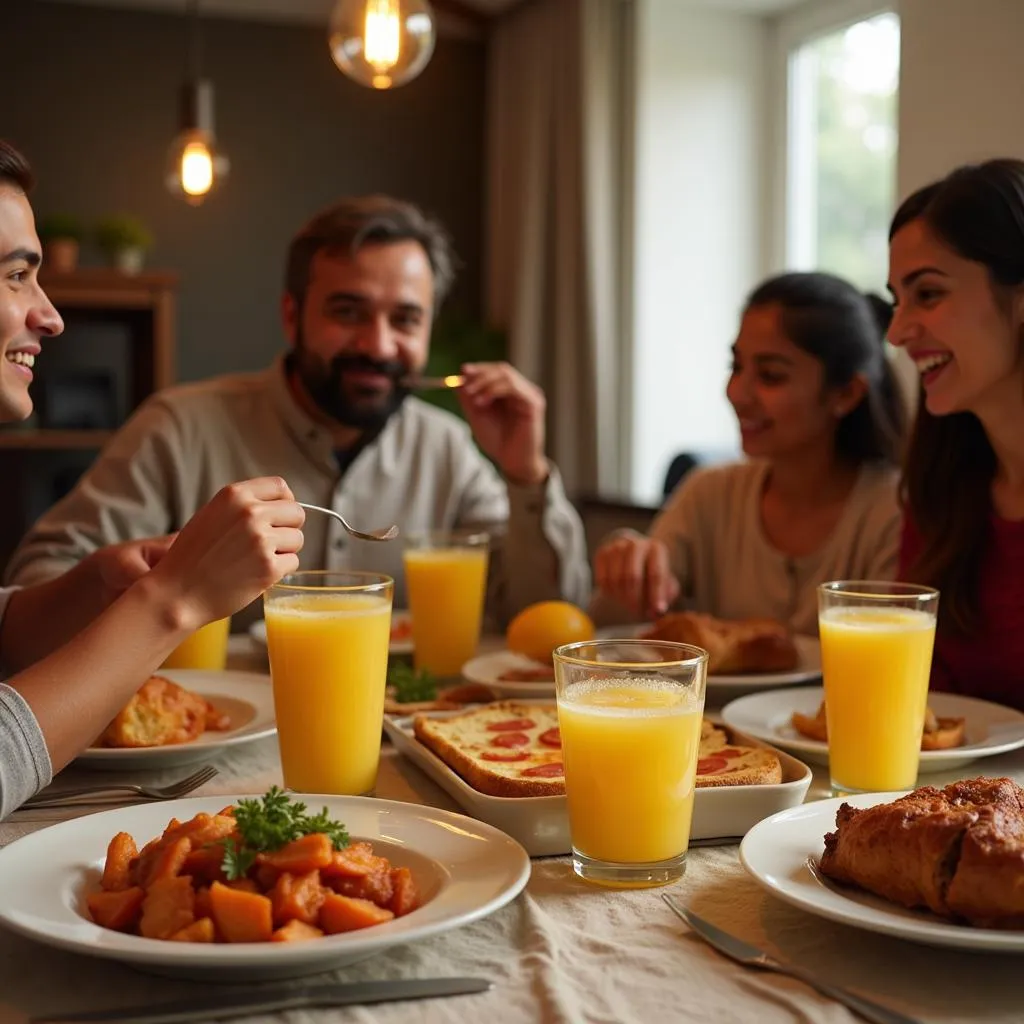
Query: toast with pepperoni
point(504, 749)
point(514, 749)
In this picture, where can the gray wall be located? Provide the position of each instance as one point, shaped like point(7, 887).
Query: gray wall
point(91, 97)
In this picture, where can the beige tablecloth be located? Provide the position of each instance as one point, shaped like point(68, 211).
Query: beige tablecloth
point(564, 951)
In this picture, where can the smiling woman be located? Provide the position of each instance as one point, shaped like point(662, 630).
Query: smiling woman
point(821, 420)
point(957, 271)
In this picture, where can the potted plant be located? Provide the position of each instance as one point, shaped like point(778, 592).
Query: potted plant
point(61, 235)
point(124, 240)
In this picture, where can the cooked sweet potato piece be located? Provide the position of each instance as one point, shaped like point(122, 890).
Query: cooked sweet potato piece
point(168, 907)
point(297, 897)
point(241, 916)
point(243, 885)
point(377, 888)
point(203, 907)
point(354, 861)
point(300, 856)
point(118, 909)
point(296, 931)
point(168, 862)
point(121, 851)
point(405, 896)
point(200, 930)
point(204, 864)
point(345, 914)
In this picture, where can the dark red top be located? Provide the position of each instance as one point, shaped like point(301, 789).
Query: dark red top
point(990, 663)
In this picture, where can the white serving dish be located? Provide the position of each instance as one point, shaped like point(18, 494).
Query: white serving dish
point(465, 870)
point(541, 823)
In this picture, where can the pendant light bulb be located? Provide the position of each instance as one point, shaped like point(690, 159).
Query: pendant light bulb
point(382, 43)
point(194, 165)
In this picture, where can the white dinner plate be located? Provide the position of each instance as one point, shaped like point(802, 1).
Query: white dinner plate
point(247, 699)
point(776, 853)
point(463, 868)
point(989, 728)
point(401, 635)
point(487, 668)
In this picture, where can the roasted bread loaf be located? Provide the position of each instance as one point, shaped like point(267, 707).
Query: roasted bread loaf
point(734, 648)
point(938, 734)
point(162, 713)
point(958, 851)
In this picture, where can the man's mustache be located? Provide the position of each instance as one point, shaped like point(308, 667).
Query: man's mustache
point(391, 368)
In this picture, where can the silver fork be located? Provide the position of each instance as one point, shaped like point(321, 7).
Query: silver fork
point(385, 533)
point(750, 956)
point(85, 794)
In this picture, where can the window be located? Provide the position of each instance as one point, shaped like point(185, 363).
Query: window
point(841, 166)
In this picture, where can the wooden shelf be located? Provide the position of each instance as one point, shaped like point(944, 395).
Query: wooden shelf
point(54, 440)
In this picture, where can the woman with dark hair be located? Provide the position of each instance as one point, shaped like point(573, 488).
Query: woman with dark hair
point(956, 268)
point(821, 419)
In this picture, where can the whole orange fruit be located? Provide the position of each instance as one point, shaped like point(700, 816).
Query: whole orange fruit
point(538, 629)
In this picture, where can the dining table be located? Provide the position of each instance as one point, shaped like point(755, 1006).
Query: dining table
point(563, 950)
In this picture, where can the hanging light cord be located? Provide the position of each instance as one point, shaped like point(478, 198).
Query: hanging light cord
point(195, 41)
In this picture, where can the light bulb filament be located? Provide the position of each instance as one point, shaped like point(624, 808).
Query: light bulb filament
point(196, 169)
point(381, 35)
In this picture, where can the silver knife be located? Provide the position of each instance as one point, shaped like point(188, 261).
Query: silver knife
point(751, 956)
point(223, 1005)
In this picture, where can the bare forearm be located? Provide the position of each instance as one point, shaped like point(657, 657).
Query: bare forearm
point(41, 618)
point(77, 690)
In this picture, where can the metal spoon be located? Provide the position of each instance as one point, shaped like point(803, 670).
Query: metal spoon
point(388, 533)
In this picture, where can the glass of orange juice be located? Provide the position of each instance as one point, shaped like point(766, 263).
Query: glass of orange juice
point(629, 713)
point(327, 638)
point(206, 648)
point(876, 656)
point(446, 580)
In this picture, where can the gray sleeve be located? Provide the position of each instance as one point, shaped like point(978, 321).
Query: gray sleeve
point(25, 766)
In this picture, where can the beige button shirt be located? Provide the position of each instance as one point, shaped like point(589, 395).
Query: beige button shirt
point(422, 472)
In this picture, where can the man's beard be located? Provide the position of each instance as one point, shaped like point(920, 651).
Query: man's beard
point(350, 405)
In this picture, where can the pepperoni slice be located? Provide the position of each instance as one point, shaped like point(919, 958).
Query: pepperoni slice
point(511, 755)
point(511, 739)
point(511, 725)
point(728, 752)
point(710, 765)
point(550, 770)
point(551, 738)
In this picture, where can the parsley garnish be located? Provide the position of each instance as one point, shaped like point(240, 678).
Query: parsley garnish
point(411, 685)
point(268, 823)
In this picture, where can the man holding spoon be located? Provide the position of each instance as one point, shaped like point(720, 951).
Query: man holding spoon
point(338, 418)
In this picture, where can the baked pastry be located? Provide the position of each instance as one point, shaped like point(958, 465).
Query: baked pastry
point(513, 749)
point(938, 734)
point(160, 714)
point(734, 648)
point(957, 851)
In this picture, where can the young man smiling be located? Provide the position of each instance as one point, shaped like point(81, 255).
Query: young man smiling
point(118, 613)
point(335, 417)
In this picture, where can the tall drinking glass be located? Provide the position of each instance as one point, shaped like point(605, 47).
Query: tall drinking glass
point(629, 712)
point(327, 637)
point(206, 648)
point(876, 656)
point(446, 578)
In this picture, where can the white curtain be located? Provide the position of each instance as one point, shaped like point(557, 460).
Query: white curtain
point(558, 221)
